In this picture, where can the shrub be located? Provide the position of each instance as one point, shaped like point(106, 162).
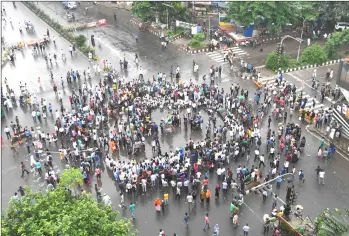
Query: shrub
point(199, 37)
point(273, 63)
point(315, 54)
point(194, 43)
point(80, 40)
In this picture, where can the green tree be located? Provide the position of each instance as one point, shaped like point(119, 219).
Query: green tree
point(143, 10)
point(272, 13)
point(332, 12)
point(147, 11)
point(59, 213)
point(274, 63)
point(332, 223)
point(334, 43)
point(71, 177)
point(315, 54)
point(80, 40)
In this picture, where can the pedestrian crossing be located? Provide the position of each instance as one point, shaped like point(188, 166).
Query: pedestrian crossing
point(218, 55)
point(269, 82)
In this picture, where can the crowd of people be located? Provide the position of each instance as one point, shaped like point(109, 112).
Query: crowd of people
point(114, 116)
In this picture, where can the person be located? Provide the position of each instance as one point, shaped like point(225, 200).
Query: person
point(21, 190)
point(162, 233)
point(207, 222)
point(106, 200)
point(322, 177)
point(186, 219)
point(132, 209)
point(122, 200)
point(23, 169)
point(235, 220)
point(114, 16)
point(157, 204)
point(245, 229)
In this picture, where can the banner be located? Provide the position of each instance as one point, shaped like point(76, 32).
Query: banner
point(102, 22)
point(91, 24)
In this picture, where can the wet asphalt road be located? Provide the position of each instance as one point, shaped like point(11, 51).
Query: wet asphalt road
point(315, 198)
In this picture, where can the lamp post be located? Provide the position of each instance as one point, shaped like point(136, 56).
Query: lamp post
point(300, 40)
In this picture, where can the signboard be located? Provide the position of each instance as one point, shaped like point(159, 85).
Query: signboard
point(91, 24)
point(102, 22)
point(194, 30)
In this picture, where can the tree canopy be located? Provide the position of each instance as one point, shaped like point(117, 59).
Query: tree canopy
point(334, 42)
point(59, 213)
point(276, 13)
point(332, 223)
point(315, 54)
point(147, 11)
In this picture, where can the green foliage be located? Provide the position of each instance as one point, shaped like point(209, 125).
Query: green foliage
point(80, 40)
point(59, 213)
point(273, 63)
point(146, 11)
point(277, 13)
point(194, 43)
point(315, 54)
point(179, 31)
point(142, 10)
point(332, 223)
point(334, 43)
point(199, 37)
point(71, 177)
point(65, 32)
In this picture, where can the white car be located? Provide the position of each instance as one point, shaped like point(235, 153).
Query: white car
point(70, 5)
point(341, 26)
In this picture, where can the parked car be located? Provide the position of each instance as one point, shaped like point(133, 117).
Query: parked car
point(341, 26)
point(70, 5)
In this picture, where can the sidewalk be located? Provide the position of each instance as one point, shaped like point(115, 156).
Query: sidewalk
point(341, 143)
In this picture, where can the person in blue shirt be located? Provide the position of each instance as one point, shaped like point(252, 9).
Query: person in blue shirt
point(132, 209)
point(278, 181)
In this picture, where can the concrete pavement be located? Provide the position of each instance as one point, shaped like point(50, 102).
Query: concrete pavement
point(315, 198)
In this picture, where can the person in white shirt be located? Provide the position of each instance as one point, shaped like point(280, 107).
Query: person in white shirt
point(106, 200)
point(245, 229)
point(322, 177)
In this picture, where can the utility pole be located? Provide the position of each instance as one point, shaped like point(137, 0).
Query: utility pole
point(167, 6)
point(299, 47)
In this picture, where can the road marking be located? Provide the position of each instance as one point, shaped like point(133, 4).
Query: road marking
point(253, 212)
point(316, 136)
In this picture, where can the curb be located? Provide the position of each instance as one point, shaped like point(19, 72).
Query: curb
point(321, 135)
point(311, 66)
point(150, 29)
point(275, 38)
point(77, 49)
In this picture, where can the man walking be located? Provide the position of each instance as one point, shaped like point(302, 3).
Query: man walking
point(7, 132)
point(23, 169)
point(322, 177)
point(245, 229)
point(186, 219)
point(207, 222)
point(132, 209)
